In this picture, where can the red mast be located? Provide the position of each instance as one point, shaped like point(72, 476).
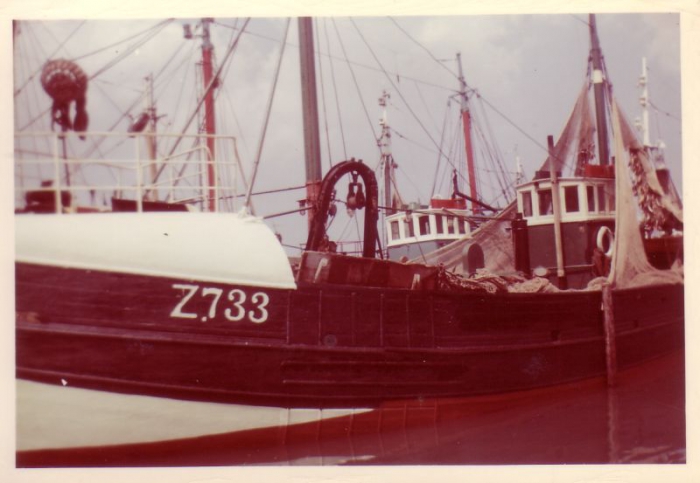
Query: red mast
point(467, 125)
point(209, 113)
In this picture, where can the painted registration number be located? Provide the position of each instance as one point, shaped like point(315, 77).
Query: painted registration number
point(238, 305)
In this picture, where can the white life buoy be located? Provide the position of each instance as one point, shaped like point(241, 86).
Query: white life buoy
point(603, 233)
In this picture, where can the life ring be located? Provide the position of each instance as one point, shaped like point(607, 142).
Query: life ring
point(603, 233)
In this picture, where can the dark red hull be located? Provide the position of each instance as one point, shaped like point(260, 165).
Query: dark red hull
point(321, 345)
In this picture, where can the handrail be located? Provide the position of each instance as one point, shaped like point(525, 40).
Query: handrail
point(127, 171)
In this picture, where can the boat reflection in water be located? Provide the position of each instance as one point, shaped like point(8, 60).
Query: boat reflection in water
point(640, 420)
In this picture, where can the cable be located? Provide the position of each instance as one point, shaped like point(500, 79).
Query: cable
point(129, 50)
point(665, 113)
point(337, 100)
point(102, 49)
point(29, 79)
point(358, 64)
point(323, 94)
point(424, 48)
point(396, 89)
point(357, 86)
point(201, 101)
point(267, 117)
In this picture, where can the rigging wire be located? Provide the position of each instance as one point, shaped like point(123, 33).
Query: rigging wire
point(60, 46)
point(507, 119)
point(442, 139)
point(357, 85)
point(397, 90)
point(665, 113)
point(107, 66)
point(130, 49)
point(187, 62)
point(494, 151)
point(107, 47)
point(201, 101)
point(425, 105)
point(337, 100)
point(267, 119)
point(441, 64)
point(355, 63)
point(323, 93)
point(169, 78)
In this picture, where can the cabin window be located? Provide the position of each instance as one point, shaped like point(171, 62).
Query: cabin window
point(611, 201)
point(462, 227)
point(395, 235)
point(424, 225)
point(590, 195)
point(450, 225)
point(438, 224)
point(408, 227)
point(601, 198)
point(545, 201)
point(527, 204)
point(571, 198)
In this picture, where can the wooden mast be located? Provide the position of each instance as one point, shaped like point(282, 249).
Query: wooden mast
point(312, 144)
point(209, 113)
point(151, 142)
point(467, 125)
point(387, 159)
point(599, 85)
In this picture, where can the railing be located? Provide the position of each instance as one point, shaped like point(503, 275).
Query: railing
point(117, 165)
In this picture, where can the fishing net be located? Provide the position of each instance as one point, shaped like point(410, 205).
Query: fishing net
point(493, 237)
point(578, 132)
point(630, 266)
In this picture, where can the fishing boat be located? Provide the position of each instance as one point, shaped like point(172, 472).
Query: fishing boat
point(146, 299)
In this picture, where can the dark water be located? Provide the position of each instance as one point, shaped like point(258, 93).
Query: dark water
point(641, 420)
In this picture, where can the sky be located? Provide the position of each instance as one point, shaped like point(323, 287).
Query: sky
point(523, 71)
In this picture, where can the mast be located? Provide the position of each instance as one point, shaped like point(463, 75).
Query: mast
point(209, 114)
point(599, 84)
point(467, 125)
point(385, 149)
point(312, 144)
point(644, 102)
point(151, 134)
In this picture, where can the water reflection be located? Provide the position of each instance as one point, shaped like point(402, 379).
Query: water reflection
point(641, 420)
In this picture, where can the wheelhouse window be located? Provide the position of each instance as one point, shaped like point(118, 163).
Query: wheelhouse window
point(611, 200)
point(395, 235)
point(526, 198)
point(571, 199)
point(545, 202)
point(438, 224)
point(408, 227)
point(601, 198)
point(424, 225)
point(590, 196)
point(450, 225)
